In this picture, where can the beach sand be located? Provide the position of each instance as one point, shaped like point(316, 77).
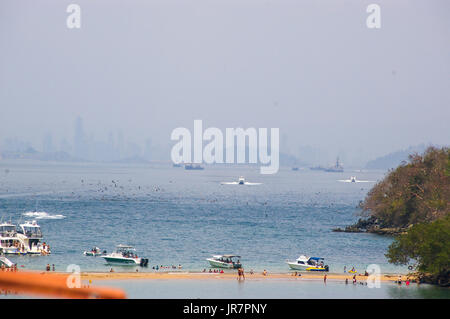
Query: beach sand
point(227, 276)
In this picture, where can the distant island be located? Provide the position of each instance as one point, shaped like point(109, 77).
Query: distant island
point(394, 159)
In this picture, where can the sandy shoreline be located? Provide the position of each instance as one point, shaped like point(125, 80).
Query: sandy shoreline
point(224, 276)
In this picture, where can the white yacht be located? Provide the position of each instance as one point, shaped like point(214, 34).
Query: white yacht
point(31, 235)
point(225, 261)
point(10, 243)
point(241, 180)
point(125, 255)
point(308, 264)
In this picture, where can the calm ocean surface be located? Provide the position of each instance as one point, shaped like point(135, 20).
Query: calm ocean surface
point(173, 216)
point(271, 289)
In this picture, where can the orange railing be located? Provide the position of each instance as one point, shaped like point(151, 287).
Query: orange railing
point(52, 285)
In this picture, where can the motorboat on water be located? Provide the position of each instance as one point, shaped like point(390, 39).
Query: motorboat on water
point(125, 256)
point(353, 179)
point(10, 243)
point(195, 167)
point(31, 235)
point(225, 261)
point(308, 264)
point(240, 181)
point(95, 251)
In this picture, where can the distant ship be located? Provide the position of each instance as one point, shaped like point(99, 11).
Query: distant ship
point(337, 168)
point(317, 168)
point(193, 167)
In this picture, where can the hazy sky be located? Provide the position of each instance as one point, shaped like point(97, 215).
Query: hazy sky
point(311, 68)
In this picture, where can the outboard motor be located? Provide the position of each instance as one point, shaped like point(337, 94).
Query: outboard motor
point(143, 262)
point(326, 268)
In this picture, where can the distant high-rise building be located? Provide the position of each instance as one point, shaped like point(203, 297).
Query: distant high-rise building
point(65, 146)
point(120, 144)
point(79, 142)
point(47, 144)
point(148, 149)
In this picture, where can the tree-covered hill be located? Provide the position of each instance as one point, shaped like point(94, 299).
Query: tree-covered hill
point(416, 191)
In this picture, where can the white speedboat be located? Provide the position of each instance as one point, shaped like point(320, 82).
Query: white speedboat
point(95, 251)
point(31, 235)
point(225, 261)
point(240, 181)
point(308, 264)
point(10, 243)
point(353, 179)
point(125, 255)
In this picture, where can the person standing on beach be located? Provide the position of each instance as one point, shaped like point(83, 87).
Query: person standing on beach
point(240, 273)
point(354, 279)
point(325, 278)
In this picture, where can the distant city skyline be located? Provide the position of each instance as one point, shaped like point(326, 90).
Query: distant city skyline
point(134, 72)
point(117, 147)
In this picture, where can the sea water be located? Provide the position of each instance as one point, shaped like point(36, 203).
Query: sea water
point(271, 289)
point(180, 217)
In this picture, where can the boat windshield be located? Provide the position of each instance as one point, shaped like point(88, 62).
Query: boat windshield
point(126, 251)
point(32, 231)
point(7, 230)
point(229, 259)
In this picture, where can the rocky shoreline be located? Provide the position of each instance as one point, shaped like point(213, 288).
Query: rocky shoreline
point(371, 225)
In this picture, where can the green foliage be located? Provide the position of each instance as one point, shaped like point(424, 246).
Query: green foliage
point(415, 192)
point(425, 244)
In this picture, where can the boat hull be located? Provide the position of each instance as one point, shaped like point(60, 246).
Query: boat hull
point(220, 264)
point(122, 261)
point(296, 266)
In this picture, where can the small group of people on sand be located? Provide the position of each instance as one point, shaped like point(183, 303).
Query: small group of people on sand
point(12, 268)
point(48, 268)
point(214, 271)
point(158, 267)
